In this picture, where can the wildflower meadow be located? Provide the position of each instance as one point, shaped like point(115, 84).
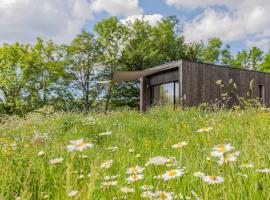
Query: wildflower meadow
point(162, 154)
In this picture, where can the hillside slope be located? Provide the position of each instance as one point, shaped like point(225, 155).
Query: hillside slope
point(39, 161)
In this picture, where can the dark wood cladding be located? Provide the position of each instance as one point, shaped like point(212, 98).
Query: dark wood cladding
point(199, 83)
point(164, 77)
point(145, 93)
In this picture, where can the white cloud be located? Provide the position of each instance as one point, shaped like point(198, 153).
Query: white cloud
point(245, 20)
point(60, 20)
point(151, 19)
point(117, 7)
point(263, 43)
point(213, 24)
point(194, 3)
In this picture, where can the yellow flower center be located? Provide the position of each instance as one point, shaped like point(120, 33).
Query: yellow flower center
point(172, 173)
point(134, 169)
point(222, 149)
point(213, 178)
point(79, 145)
point(163, 196)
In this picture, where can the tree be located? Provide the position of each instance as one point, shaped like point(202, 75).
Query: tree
point(265, 66)
point(12, 79)
point(249, 59)
point(111, 40)
point(211, 52)
point(44, 65)
point(82, 56)
point(255, 57)
point(241, 60)
point(226, 57)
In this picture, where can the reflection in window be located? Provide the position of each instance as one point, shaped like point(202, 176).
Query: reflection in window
point(165, 94)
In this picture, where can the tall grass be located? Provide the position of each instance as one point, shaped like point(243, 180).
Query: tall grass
point(26, 175)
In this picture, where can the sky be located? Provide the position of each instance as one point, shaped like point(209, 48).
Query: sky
point(240, 23)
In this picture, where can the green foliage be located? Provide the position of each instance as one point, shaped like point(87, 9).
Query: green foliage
point(241, 60)
point(226, 56)
point(13, 77)
point(25, 174)
point(249, 60)
point(211, 52)
point(82, 55)
point(265, 66)
point(77, 77)
point(256, 57)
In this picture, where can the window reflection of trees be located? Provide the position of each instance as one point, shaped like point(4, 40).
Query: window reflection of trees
point(165, 94)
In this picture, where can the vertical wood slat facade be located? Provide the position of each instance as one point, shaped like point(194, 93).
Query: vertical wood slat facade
point(197, 83)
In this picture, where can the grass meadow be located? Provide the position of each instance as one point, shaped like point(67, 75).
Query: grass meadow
point(162, 154)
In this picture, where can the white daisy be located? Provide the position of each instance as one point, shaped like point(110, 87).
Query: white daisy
point(41, 153)
point(56, 161)
point(81, 176)
point(228, 158)
point(172, 174)
point(199, 174)
point(247, 165)
point(138, 155)
point(78, 145)
point(195, 195)
point(73, 193)
point(113, 149)
point(158, 176)
point(205, 129)
point(107, 164)
point(212, 179)
point(109, 183)
point(135, 170)
point(243, 175)
point(148, 195)
point(179, 145)
point(158, 160)
point(110, 177)
point(161, 195)
point(131, 150)
point(147, 187)
point(105, 133)
point(127, 190)
point(83, 156)
point(135, 177)
point(265, 170)
point(219, 150)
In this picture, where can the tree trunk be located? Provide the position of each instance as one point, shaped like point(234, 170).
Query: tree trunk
point(108, 98)
point(87, 79)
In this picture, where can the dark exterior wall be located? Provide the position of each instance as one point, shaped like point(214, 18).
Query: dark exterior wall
point(164, 77)
point(144, 93)
point(199, 83)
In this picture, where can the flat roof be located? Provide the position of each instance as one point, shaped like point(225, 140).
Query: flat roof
point(134, 75)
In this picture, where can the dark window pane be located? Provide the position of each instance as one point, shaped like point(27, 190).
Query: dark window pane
point(155, 94)
point(167, 94)
point(176, 96)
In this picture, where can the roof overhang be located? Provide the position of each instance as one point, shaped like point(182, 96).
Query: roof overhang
point(135, 75)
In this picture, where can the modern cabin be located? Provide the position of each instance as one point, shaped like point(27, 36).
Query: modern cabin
point(187, 83)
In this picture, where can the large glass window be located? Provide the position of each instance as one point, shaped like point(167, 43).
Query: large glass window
point(165, 94)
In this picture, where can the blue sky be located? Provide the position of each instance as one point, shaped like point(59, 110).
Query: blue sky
point(242, 24)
